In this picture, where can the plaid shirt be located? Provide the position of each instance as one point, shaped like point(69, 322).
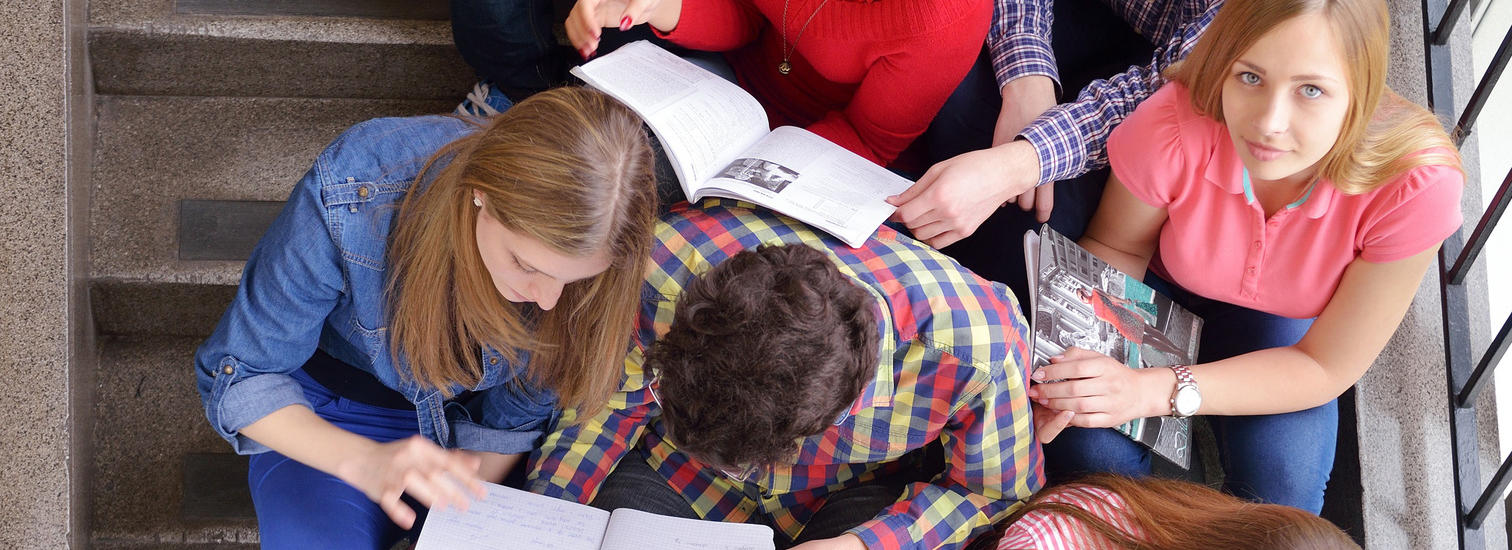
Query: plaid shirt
point(1071, 139)
point(954, 355)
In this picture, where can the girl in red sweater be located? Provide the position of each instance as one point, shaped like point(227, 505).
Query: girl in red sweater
point(867, 75)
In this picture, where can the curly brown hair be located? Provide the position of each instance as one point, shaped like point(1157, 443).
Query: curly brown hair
point(766, 348)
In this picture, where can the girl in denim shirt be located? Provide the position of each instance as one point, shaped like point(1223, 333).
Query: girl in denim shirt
point(434, 289)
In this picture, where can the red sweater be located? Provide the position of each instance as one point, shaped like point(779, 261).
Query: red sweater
point(868, 76)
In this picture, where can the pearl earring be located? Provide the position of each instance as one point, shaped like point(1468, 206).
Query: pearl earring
point(477, 202)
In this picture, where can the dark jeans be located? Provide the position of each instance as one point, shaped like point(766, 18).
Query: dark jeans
point(634, 484)
point(512, 43)
point(1090, 42)
point(1277, 458)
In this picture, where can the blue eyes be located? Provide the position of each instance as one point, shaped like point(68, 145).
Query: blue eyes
point(1308, 91)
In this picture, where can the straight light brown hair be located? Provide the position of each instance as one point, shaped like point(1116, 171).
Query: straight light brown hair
point(1180, 515)
point(1383, 136)
point(570, 168)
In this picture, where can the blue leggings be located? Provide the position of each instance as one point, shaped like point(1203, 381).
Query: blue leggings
point(1277, 458)
point(301, 507)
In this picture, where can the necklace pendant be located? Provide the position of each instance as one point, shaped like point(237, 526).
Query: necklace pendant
point(784, 67)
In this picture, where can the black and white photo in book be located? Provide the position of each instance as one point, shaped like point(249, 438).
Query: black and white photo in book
point(761, 173)
point(1082, 301)
point(717, 139)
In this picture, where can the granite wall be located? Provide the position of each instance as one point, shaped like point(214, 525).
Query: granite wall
point(35, 275)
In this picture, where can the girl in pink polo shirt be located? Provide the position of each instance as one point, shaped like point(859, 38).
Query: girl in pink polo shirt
point(1278, 189)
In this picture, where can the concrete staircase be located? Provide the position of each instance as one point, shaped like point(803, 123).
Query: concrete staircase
point(193, 103)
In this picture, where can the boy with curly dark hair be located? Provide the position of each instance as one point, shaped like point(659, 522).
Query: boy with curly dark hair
point(866, 397)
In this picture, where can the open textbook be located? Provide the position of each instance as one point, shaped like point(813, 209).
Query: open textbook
point(715, 135)
point(1082, 301)
point(511, 519)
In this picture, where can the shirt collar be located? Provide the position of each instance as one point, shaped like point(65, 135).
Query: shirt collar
point(1227, 172)
point(879, 391)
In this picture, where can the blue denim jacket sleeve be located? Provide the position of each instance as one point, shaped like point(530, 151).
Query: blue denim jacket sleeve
point(507, 418)
point(289, 286)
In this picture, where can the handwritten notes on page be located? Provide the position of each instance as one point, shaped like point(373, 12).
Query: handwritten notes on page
point(637, 530)
point(511, 519)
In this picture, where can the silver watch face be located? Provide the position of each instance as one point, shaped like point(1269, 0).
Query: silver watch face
point(1187, 400)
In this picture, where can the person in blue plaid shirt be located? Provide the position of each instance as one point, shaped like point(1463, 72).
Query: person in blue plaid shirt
point(1002, 137)
point(869, 397)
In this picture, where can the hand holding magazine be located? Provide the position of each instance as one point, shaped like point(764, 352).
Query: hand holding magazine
point(1081, 301)
point(511, 519)
point(716, 136)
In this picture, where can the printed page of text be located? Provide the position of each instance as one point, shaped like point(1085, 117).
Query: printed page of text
point(702, 120)
point(637, 530)
point(798, 173)
point(512, 519)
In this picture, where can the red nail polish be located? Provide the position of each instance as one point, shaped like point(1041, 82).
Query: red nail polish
point(625, 23)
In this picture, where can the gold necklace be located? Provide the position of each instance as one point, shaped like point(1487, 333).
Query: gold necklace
point(784, 67)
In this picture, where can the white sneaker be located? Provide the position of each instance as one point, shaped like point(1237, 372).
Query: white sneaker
point(476, 103)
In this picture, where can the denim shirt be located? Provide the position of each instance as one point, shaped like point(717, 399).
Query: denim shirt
point(317, 279)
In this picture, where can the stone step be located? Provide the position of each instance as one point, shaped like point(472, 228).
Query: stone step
point(153, 153)
point(148, 47)
point(161, 478)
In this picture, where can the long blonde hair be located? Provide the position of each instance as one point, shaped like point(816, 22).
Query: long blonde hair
point(1383, 136)
point(1179, 515)
point(571, 168)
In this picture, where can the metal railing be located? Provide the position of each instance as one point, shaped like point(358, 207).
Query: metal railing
point(1458, 255)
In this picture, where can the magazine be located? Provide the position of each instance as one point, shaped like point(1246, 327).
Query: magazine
point(511, 519)
point(716, 137)
point(1082, 301)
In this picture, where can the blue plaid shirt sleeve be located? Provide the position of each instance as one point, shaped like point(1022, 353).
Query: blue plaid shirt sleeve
point(1071, 139)
point(1019, 40)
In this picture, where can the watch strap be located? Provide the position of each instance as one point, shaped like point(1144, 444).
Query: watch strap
point(1184, 379)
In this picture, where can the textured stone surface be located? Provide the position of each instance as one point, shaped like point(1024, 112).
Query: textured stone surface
point(34, 444)
point(158, 16)
point(148, 417)
point(151, 62)
point(1406, 461)
point(152, 151)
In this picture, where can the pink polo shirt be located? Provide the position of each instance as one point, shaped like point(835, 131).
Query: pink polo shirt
point(1216, 241)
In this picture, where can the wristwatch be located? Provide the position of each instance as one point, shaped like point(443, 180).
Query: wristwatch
point(1185, 399)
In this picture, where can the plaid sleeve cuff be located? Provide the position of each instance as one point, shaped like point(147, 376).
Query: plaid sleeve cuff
point(885, 533)
point(1021, 55)
point(1059, 144)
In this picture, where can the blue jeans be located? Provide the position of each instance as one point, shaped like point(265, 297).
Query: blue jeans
point(1277, 458)
point(301, 507)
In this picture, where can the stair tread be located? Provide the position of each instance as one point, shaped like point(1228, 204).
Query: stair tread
point(153, 151)
point(158, 16)
point(148, 418)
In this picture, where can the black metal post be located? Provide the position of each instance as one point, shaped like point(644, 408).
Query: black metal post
point(1455, 302)
point(1482, 232)
point(1493, 492)
point(1447, 22)
point(1487, 364)
point(1483, 90)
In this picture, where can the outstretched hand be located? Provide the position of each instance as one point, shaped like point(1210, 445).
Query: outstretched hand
point(1100, 391)
point(432, 475)
point(1024, 99)
point(955, 196)
point(1048, 422)
point(588, 18)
